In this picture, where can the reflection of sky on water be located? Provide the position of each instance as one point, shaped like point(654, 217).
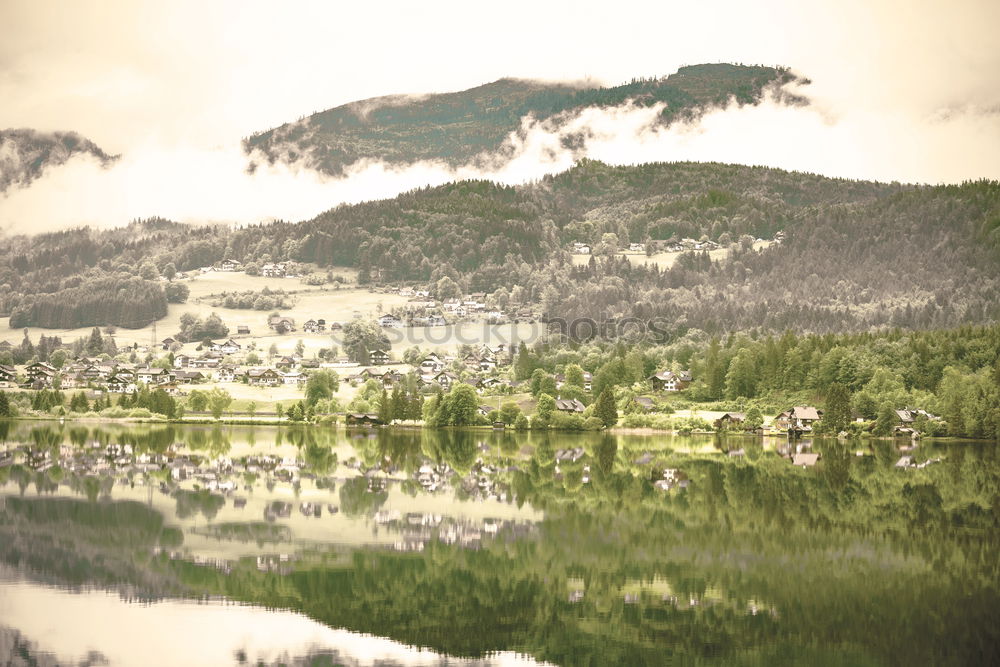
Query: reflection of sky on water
point(72, 625)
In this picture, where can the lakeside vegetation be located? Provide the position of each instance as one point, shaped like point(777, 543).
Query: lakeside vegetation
point(860, 380)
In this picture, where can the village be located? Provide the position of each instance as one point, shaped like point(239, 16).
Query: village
point(238, 367)
point(264, 360)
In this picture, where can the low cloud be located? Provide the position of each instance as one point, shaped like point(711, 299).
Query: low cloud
point(200, 184)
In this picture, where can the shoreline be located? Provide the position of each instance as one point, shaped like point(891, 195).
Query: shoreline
point(614, 430)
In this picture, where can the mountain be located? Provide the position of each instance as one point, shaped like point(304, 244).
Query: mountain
point(855, 255)
point(25, 154)
point(472, 126)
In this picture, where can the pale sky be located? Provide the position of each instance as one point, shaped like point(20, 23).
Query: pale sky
point(902, 90)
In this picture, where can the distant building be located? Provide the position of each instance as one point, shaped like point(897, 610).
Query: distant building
point(569, 405)
point(670, 381)
point(227, 347)
point(799, 418)
point(264, 377)
point(378, 357)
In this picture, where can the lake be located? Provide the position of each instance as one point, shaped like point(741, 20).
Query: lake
point(167, 544)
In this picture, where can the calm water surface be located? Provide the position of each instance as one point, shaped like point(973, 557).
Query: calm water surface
point(167, 545)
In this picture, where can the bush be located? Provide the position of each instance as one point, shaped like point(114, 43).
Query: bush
point(539, 422)
point(567, 422)
point(592, 424)
point(141, 413)
point(685, 426)
point(114, 412)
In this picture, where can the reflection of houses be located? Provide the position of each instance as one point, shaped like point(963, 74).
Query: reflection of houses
point(670, 381)
point(672, 478)
point(805, 459)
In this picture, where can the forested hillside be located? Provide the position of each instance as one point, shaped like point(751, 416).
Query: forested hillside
point(855, 255)
point(26, 153)
point(460, 127)
point(921, 258)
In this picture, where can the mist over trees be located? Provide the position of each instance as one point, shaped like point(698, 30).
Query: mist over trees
point(457, 128)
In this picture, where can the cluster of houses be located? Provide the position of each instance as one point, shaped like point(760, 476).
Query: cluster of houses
point(111, 376)
point(432, 370)
point(673, 245)
point(269, 270)
point(422, 311)
point(801, 419)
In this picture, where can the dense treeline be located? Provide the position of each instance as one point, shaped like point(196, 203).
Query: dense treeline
point(460, 127)
point(49, 263)
point(892, 261)
point(954, 373)
point(127, 302)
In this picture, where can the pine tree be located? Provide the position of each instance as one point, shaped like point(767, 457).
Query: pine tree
point(886, 420)
point(605, 409)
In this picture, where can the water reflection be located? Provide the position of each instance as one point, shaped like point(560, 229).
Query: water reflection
point(574, 549)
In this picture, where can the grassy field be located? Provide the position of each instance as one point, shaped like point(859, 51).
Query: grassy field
point(313, 302)
point(665, 259)
point(327, 302)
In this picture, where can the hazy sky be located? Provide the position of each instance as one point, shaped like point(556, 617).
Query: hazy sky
point(902, 90)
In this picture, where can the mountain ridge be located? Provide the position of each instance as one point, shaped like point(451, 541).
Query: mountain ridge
point(467, 127)
point(26, 153)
